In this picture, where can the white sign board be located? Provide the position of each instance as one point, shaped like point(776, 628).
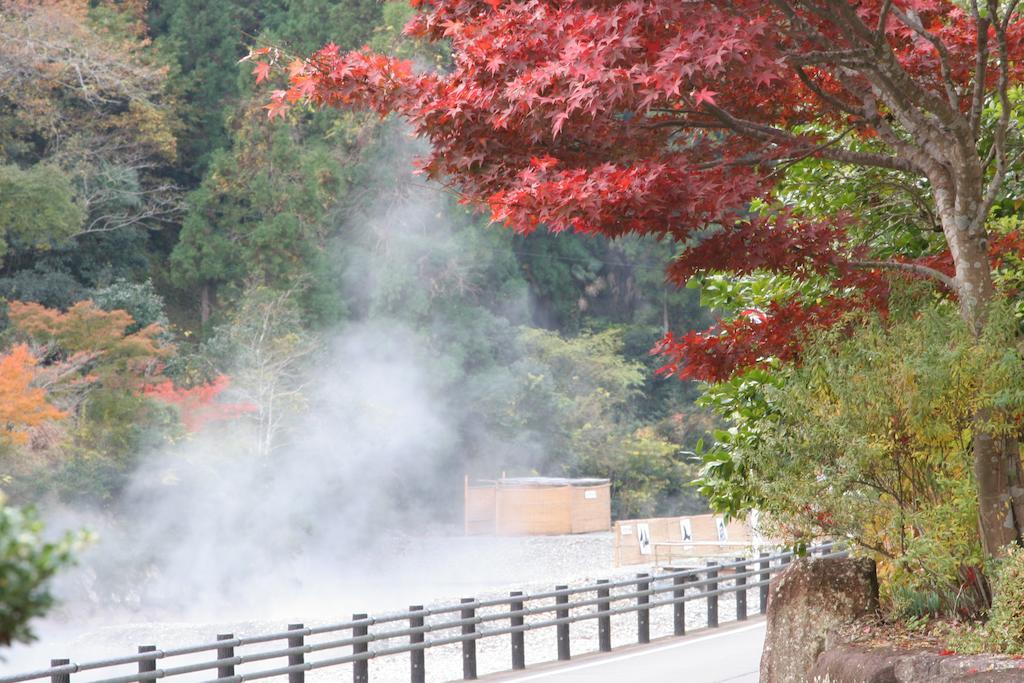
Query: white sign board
point(590, 495)
point(643, 534)
point(626, 530)
point(723, 534)
point(685, 529)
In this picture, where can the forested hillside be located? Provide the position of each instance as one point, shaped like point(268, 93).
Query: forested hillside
point(173, 264)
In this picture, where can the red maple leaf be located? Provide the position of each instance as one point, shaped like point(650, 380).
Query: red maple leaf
point(261, 70)
point(704, 95)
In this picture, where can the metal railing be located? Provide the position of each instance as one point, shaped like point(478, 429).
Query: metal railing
point(668, 552)
point(558, 609)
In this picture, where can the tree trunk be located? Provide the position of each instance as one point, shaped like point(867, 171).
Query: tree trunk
point(205, 305)
point(997, 464)
point(996, 472)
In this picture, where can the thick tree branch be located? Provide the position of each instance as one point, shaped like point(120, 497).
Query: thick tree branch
point(980, 71)
point(1002, 125)
point(883, 19)
point(915, 268)
point(802, 144)
point(837, 103)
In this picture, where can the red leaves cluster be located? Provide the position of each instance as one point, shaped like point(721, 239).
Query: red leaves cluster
point(198, 406)
point(750, 339)
point(652, 198)
point(612, 118)
point(778, 244)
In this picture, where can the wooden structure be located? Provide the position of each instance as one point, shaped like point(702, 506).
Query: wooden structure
point(666, 541)
point(537, 506)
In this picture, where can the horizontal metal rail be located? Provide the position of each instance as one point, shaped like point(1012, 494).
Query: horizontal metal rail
point(417, 632)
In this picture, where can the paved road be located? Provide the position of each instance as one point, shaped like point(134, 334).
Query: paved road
point(728, 655)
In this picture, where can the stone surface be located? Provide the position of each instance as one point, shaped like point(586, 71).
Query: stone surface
point(930, 667)
point(807, 600)
point(850, 664)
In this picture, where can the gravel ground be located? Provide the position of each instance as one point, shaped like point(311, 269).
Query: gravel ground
point(432, 571)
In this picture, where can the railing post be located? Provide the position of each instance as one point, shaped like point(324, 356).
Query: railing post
point(60, 678)
point(604, 623)
point(298, 658)
point(417, 673)
point(712, 595)
point(562, 630)
point(149, 665)
point(643, 615)
point(741, 591)
point(226, 652)
point(764, 578)
point(468, 645)
point(360, 667)
point(679, 604)
point(786, 558)
point(518, 637)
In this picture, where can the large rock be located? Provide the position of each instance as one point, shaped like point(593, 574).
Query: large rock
point(808, 599)
point(850, 664)
point(853, 663)
point(930, 667)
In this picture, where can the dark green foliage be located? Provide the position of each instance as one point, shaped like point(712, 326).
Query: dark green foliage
point(206, 40)
point(140, 299)
point(54, 289)
point(307, 25)
point(259, 217)
point(66, 273)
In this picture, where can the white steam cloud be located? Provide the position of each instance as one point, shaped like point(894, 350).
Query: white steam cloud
point(348, 516)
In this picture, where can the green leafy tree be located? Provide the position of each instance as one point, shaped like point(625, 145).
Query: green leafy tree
point(38, 207)
point(205, 39)
point(87, 137)
point(139, 299)
point(870, 439)
point(579, 391)
point(258, 218)
point(267, 353)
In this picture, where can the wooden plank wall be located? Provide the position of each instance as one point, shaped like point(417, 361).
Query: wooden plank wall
point(537, 510)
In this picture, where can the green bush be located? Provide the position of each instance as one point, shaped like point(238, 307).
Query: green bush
point(139, 299)
point(1006, 619)
point(27, 562)
point(869, 439)
point(1003, 631)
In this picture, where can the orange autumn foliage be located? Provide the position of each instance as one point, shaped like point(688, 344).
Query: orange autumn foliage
point(85, 327)
point(87, 344)
point(22, 405)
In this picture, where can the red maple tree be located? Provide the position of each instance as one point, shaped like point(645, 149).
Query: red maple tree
point(198, 406)
point(669, 118)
